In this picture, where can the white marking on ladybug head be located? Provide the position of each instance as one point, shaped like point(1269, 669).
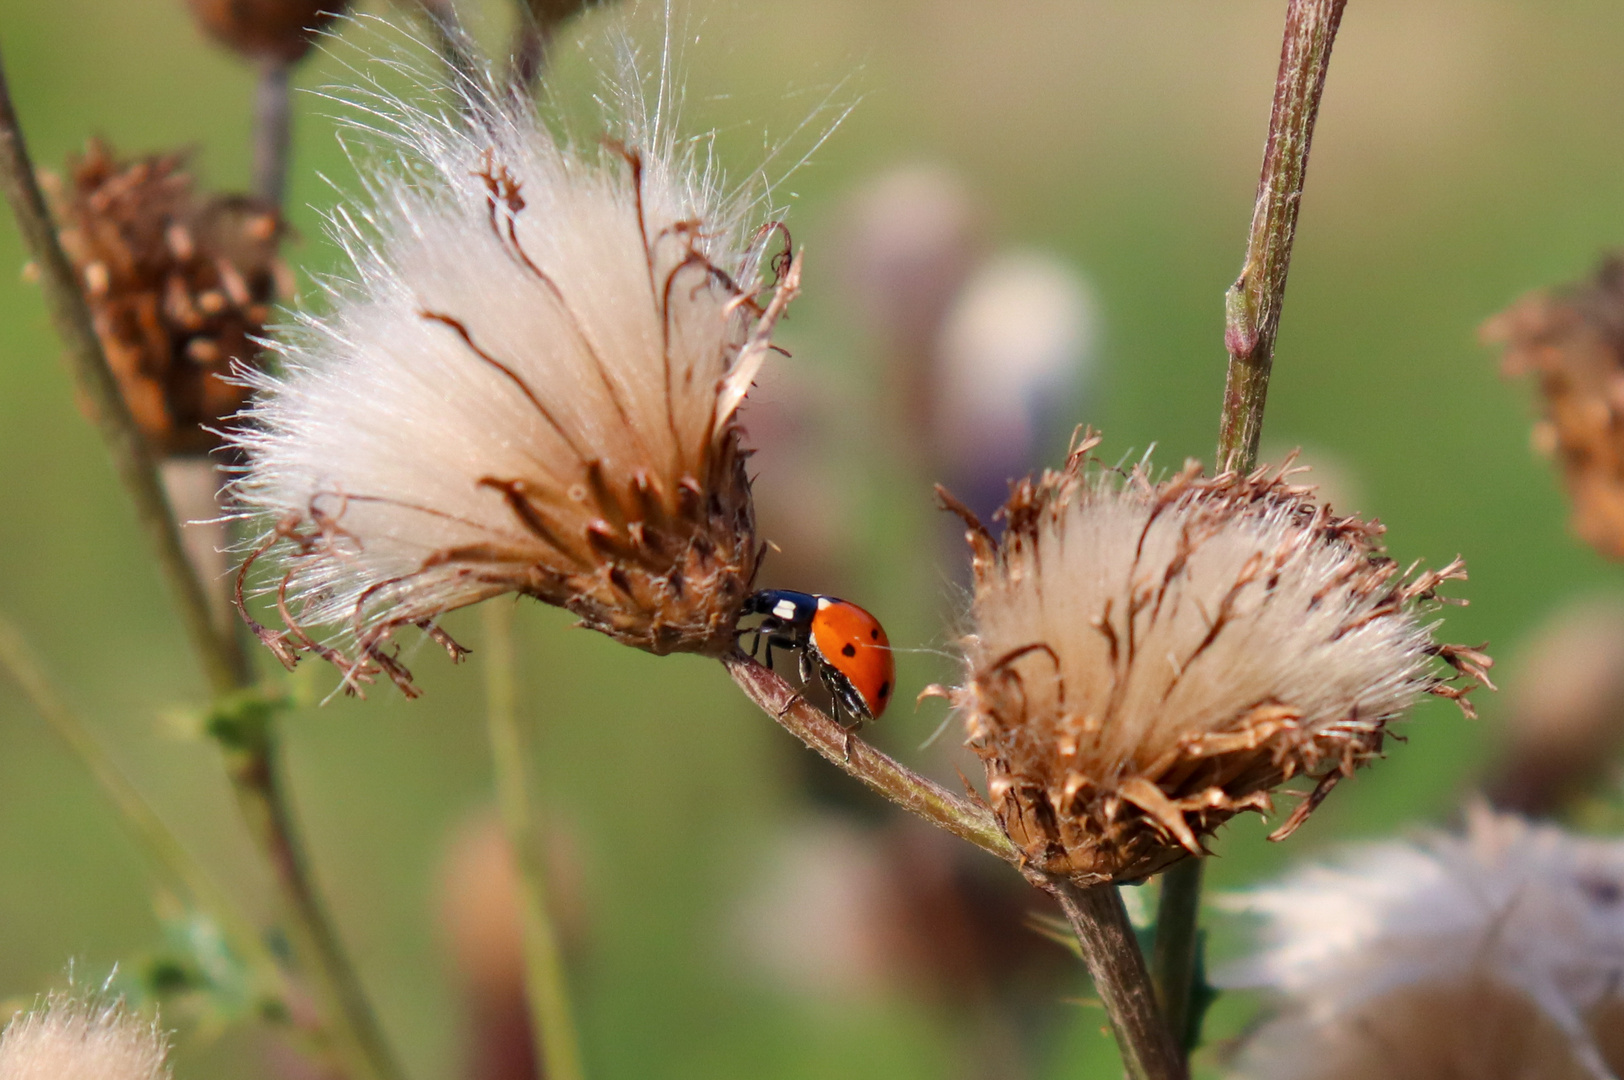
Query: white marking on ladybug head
point(825, 602)
point(784, 609)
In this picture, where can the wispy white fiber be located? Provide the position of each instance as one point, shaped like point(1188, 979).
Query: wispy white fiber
point(1521, 907)
point(67, 1038)
point(535, 338)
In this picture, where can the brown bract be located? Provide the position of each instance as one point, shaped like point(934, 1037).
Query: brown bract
point(179, 283)
point(280, 30)
point(1572, 341)
point(1149, 659)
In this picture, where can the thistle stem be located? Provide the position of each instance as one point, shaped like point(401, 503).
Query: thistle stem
point(251, 762)
point(535, 23)
point(883, 774)
point(1251, 321)
point(552, 1025)
point(1117, 967)
point(224, 662)
point(1173, 963)
point(273, 131)
point(1252, 304)
point(176, 867)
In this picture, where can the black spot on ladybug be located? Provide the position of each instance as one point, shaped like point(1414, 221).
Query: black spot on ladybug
point(875, 634)
point(885, 690)
point(848, 649)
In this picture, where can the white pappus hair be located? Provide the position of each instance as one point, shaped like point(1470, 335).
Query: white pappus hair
point(528, 382)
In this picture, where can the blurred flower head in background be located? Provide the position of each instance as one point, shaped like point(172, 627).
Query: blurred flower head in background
point(1498, 952)
point(266, 30)
point(71, 1038)
point(180, 285)
point(529, 385)
point(1572, 341)
point(1563, 716)
point(1148, 659)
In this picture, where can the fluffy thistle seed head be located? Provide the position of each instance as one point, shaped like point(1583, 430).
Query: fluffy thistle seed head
point(179, 285)
point(70, 1039)
point(1493, 953)
point(1572, 342)
point(529, 385)
point(1149, 659)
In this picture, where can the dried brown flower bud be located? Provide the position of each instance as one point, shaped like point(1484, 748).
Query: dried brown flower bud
point(179, 284)
point(1149, 659)
point(1572, 341)
point(281, 30)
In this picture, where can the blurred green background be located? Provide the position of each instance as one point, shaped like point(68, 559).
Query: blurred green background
point(1466, 152)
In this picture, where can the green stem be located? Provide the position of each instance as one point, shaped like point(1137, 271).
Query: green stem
point(1251, 321)
point(552, 1025)
point(1117, 967)
point(883, 774)
point(251, 762)
point(1173, 964)
point(224, 662)
point(182, 873)
point(1252, 305)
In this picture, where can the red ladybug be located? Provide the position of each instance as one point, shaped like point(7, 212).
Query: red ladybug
point(839, 642)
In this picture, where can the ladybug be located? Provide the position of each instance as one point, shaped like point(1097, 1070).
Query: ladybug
point(839, 642)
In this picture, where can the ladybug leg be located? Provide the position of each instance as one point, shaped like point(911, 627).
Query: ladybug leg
point(807, 671)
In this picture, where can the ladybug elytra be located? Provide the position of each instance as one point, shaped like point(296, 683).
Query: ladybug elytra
point(839, 643)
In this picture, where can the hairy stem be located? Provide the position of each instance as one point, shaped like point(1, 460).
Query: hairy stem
point(901, 785)
point(1100, 922)
point(1252, 305)
point(224, 662)
point(1173, 964)
point(552, 1024)
point(250, 761)
point(273, 131)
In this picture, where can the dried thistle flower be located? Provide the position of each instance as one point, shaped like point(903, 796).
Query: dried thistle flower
point(528, 385)
point(1149, 659)
point(72, 1039)
point(179, 284)
point(1572, 341)
point(1495, 953)
point(275, 30)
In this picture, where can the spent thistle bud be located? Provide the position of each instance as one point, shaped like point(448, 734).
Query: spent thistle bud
point(261, 30)
point(1492, 953)
point(1572, 341)
point(1149, 659)
point(530, 384)
point(179, 284)
point(67, 1039)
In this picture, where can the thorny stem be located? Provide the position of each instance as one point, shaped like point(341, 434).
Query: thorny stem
point(1251, 320)
point(1117, 967)
point(552, 1025)
point(251, 763)
point(1252, 305)
point(224, 662)
point(901, 785)
point(183, 874)
point(273, 131)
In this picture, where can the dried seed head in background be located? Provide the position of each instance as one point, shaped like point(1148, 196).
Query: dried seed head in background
point(1149, 659)
point(1496, 953)
point(1572, 341)
point(1563, 717)
point(69, 1038)
point(529, 384)
point(179, 283)
point(266, 30)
